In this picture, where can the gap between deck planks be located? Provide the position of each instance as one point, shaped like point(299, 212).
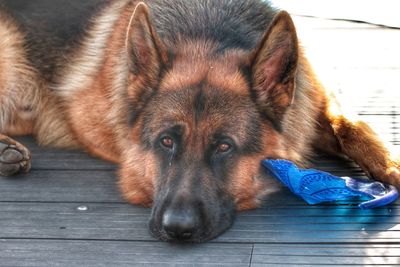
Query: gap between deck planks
point(43, 224)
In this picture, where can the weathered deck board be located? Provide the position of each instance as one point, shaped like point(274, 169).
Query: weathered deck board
point(120, 253)
point(43, 220)
point(299, 255)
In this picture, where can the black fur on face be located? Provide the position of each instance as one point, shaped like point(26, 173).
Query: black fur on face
point(197, 134)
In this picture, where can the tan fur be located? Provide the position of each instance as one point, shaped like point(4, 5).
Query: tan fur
point(87, 60)
point(93, 75)
point(26, 104)
point(247, 186)
point(137, 173)
point(359, 142)
point(18, 88)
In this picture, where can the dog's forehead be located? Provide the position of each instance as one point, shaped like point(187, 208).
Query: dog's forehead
point(201, 101)
point(195, 63)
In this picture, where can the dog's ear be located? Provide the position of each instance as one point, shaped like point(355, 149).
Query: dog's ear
point(147, 56)
point(273, 68)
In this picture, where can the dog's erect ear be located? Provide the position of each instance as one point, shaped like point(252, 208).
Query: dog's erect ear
point(147, 52)
point(147, 56)
point(273, 66)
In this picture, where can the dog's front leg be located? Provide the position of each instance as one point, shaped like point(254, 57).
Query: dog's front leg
point(355, 138)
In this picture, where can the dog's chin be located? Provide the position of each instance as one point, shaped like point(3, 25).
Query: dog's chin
point(200, 237)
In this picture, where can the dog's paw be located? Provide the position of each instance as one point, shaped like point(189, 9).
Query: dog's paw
point(14, 157)
point(393, 175)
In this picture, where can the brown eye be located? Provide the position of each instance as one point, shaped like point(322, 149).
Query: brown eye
point(223, 147)
point(167, 142)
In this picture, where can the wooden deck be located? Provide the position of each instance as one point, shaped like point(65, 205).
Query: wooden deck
point(68, 212)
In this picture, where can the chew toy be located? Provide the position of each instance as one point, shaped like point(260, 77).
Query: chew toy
point(317, 186)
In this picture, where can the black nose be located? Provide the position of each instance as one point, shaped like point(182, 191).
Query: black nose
point(180, 224)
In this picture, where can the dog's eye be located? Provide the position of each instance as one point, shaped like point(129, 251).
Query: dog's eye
point(167, 142)
point(223, 147)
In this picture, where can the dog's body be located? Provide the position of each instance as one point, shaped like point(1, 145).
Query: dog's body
point(187, 96)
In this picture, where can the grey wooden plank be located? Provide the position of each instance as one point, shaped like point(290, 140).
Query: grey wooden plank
point(60, 159)
point(126, 222)
point(68, 161)
point(371, 250)
point(117, 253)
point(339, 255)
point(318, 262)
point(108, 263)
point(59, 186)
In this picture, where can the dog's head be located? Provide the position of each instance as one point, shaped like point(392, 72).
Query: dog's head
point(202, 121)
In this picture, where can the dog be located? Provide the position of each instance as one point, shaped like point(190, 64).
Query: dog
point(186, 96)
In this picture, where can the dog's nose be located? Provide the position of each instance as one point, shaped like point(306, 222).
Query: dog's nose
point(180, 224)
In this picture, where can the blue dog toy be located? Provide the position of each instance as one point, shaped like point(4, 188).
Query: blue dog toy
point(318, 186)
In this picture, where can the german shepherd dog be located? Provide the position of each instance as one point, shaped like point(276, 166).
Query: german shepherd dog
point(187, 96)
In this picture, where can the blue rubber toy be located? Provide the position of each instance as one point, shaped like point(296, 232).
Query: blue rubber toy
point(317, 186)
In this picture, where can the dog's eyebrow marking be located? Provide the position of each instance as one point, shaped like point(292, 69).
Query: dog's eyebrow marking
point(235, 82)
point(215, 75)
